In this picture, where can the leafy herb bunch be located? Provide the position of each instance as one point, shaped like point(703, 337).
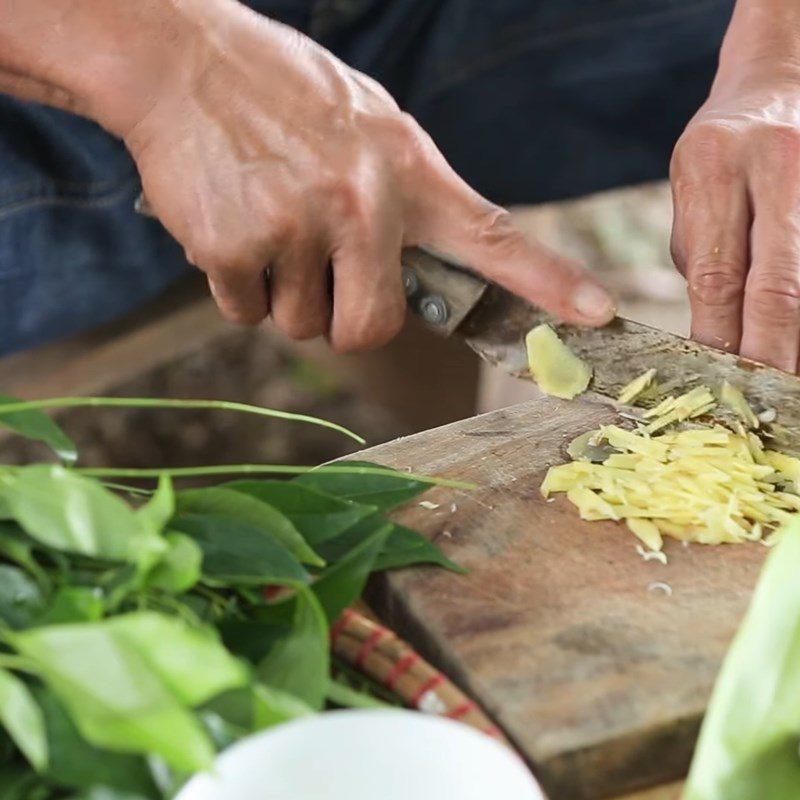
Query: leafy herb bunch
point(140, 631)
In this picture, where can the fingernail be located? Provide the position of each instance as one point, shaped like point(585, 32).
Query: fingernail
point(593, 302)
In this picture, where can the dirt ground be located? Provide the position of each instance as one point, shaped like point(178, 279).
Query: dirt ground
point(624, 235)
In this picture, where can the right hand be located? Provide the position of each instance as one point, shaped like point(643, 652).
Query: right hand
point(265, 152)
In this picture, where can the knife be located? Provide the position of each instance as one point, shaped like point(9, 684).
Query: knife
point(493, 322)
point(454, 301)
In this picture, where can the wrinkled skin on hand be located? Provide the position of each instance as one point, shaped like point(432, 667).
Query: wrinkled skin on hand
point(736, 185)
point(267, 153)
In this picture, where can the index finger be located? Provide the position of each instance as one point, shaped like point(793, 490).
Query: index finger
point(452, 219)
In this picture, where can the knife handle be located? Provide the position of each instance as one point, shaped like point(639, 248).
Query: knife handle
point(438, 291)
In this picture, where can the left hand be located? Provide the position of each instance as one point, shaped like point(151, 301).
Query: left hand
point(736, 185)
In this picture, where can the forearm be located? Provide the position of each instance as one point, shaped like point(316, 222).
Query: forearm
point(762, 32)
point(104, 59)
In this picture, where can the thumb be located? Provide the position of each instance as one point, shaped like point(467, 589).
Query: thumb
point(459, 224)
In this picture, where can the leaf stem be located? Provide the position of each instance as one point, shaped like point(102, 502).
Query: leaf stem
point(151, 402)
point(263, 469)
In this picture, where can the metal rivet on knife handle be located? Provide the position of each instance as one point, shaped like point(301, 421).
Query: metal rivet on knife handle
point(433, 310)
point(410, 282)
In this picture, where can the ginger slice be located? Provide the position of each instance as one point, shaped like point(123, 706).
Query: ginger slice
point(555, 368)
point(638, 385)
point(736, 402)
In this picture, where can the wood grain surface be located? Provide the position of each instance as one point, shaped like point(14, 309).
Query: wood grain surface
point(596, 663)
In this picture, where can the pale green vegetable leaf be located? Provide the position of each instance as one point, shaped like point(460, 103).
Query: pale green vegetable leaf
point(73, 604)
point(298, 662)
point(180, 567)
point(748, 746)
point(160, 508)
point(345, 696)
point(74, 514)
point(124, 693)
point(22, 719)
point(272, 706)
point(38, 426)
point(75, 764)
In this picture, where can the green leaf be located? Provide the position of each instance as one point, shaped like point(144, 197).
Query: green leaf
point(16, 782)
point(76, 764)
point(346, 697)
point(403, 547)
point(406, 547)
point(257, 707)
point(104, 793)
point(22, 718)
point(180, 567)
point(39, 427)
point(342, 584)
point(160, 508)
point(17, 546)
point(21, 600)
point(274, 707)
point(127, 682)
point(382, 491)
point(77, 515)
point(222, 502)
point(73, 604)
point(748, 746)
point(298, 662)
point(237, 553)
point(318, 517)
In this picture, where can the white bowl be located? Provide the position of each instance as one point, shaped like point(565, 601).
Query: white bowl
point(366, 755)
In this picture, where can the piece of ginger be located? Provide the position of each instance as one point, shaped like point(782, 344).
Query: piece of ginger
point(555, 368)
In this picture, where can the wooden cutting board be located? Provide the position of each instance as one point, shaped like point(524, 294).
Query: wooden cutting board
point(596, 663)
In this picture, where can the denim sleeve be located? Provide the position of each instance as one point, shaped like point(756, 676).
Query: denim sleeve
point(73, 254)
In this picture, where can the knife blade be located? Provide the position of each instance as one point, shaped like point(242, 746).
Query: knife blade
point(494, 323)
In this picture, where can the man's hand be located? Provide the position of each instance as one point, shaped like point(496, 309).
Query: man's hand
point(291, 180)
point(271, 156)
point(736, 185)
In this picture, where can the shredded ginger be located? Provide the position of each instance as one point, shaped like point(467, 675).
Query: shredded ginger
point(705, 484)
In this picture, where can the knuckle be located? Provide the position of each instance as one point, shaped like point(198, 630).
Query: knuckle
point(705, 147)
point(300, 325)
point(350, 201)
point(370, 332)
point(784, 142)
point(238, 314)
point(677, 252)
point(715, 281)
point(212, 253)
point(283, 227)
point(774, 294)
point(494, 229)
point(409, 144)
